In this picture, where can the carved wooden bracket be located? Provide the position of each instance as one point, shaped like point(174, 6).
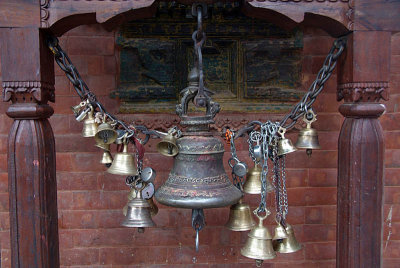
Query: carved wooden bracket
point(40, 92)
point(337, 12)
point(363, 92)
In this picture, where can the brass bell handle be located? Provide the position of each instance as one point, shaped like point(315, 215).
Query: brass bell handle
point(282, 132)
point(261, 218)
point(309, 114)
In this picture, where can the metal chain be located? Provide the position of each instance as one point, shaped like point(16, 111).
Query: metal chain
point(285, 208)
point(237, 180)
point(80, 86)
point(318, 85)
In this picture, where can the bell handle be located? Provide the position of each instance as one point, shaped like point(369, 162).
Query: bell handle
point(233, 159)
point(309, 117)
point(260, 217)
point(282, 132)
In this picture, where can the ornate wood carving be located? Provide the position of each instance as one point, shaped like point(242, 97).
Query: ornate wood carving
point(40, 91)
point(44, 13)
point(363, 92)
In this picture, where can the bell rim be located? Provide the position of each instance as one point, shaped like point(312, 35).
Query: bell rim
point(257, 257)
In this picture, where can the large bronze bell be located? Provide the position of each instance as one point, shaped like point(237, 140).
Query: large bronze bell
point(289, 244)
point(198, 179)
point(123, 163)
point(105, 133)
point(259, 244)
point(240, 218)
point(252, 185)
point(89, 125)
point(167, 146)
point(138, 213)
point(285, 146)
point(308, 137)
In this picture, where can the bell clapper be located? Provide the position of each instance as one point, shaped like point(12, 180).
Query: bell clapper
point(198, 223)
point(259, 263)
point(309, 152)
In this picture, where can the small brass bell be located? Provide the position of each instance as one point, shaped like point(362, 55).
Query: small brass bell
point(259, 244)
point(285, 146)
point(280, 232)
point(138, 213)
point(252, 184)
point(131, 195)
point(240, 218)
point(106, 159)
point(308, 137)
point(89, 125)
point(289, 244)
point(168, 145)
point(105, 133)
point(123, 164)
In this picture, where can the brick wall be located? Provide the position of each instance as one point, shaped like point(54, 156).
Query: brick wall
point(90, 200)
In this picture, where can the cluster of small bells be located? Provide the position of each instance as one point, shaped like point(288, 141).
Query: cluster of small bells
point(140, 208)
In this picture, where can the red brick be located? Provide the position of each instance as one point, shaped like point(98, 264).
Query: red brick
point(5, 239)
point(395, 44)
point(76, 181)
point(395, 64)
point(217, 216)
point(392, 177)
point(317, 233)
point(65, 238)
point(84, 162)
point(77, 144)
point(95, 45)
point(308, 78)
point(320, 196)
point(5, 258)
point(79, 256)
point(188, 255)
point(64, 200)
point(391, 231)
point(328, 122)
point(110, 65)
point(4, 221)
point(3, 202)
point(322, 177)
point(392, 195)
point(394, 83)
point(62, 87)
point(320, 215)
point(90, 219)
point(110, 182)
point(328, 140)
point(63, 104)
point(392, 250)
point(3, 143)
point(296, 197)
point(392, 105)
point(223, 254)
point(296, 178)
point(60, 123)
point(98, 200)
point(320, 251)
point(392, 158)
point(124, 256)
point(101, 84)
point(158, 162)
point(5, 123)
point(3, 182)
point(392, 139)
point(391, 263)
point(390, 121)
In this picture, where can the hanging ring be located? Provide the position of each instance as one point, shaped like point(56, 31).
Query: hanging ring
point(197, 240)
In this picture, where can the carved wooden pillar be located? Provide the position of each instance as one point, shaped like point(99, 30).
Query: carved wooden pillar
point(363, 81)
point(28, 81)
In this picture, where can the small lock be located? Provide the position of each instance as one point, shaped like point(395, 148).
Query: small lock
point(240, 169)
point(258, 152)
point(148, 174)
point(148, 191)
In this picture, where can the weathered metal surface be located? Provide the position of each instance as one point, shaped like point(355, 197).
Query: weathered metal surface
point(246, 61)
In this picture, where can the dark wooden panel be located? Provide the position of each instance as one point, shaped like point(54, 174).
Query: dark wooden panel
point(20, 13)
